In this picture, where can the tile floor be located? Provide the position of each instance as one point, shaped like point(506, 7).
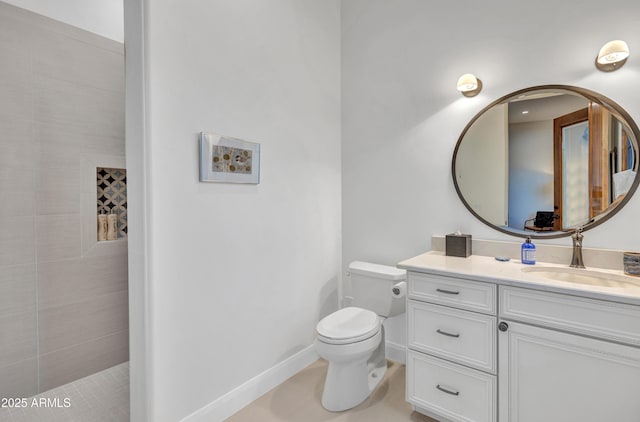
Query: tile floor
point(104, 397)
point(298, 400)
point(101, 397)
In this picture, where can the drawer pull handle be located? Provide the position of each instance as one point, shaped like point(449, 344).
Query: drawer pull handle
point(449, 292)
point(444, 333)
point(444, 390)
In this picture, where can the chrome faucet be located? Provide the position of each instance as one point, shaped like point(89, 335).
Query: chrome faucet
point(576, 259)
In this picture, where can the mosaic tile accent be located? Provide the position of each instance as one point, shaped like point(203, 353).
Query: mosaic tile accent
point(112, 195)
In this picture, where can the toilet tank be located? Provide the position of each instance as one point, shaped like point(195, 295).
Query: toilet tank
point(371, 287)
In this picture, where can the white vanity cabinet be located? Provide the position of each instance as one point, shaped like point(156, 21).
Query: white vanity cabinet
point(452, 356)
point(567, 358)
point(517, 351)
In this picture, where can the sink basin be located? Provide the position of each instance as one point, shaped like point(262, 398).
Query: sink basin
point(583, 276)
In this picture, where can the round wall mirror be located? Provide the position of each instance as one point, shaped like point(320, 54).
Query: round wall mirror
point(545, 160)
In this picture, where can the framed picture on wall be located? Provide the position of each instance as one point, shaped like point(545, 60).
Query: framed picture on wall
point(228, 160)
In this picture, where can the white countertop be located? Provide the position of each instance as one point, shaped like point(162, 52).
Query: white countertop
point(488, 269)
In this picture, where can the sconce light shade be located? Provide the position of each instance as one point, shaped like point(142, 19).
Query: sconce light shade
point(612, 55)
point(469, 85)
point(613, 52)
point(467, 82)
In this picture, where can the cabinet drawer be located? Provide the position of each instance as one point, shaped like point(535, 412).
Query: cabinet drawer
point(598, 318)
point(456, 292)
point(452, 391)
point(461, 336)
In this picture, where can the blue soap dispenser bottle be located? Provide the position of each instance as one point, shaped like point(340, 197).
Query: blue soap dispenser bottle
point(528, 252)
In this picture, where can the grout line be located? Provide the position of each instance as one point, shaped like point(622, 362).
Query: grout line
point(36, 170)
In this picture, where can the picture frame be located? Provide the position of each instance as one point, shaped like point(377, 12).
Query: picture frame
point(225, 159)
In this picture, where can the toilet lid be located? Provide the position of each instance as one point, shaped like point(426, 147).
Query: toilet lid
point(352, 324)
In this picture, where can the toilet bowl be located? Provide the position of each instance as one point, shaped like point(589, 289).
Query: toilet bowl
point(352, 341)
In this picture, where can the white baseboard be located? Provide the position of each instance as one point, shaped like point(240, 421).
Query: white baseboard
point(396, 352)
point(225, 406)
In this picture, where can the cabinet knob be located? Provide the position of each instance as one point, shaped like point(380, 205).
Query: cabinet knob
point(503, 326)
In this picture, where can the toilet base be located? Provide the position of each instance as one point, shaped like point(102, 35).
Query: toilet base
point(349, 384)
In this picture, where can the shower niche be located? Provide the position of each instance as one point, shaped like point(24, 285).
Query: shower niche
point(111, 205)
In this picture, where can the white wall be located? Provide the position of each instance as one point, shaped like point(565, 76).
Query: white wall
point(403, 115)
point(530, 170)
point(103, 17)
point(138, 177)
point(484, 148)
point(206, 312)
point(237, 276)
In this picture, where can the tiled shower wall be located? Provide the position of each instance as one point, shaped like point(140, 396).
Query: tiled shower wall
point(63, 301)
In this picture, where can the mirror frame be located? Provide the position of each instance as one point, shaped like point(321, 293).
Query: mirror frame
point(611, 105)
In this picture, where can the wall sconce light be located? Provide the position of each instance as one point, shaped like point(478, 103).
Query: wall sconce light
point(469, 85)
point(612, 56)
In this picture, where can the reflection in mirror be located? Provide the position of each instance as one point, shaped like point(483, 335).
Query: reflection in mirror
point(545, 160)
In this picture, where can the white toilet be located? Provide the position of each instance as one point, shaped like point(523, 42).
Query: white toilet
point(352, 339)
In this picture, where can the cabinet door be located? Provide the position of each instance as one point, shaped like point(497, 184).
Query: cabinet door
point(551, 376)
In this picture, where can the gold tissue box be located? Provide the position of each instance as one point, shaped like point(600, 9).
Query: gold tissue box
point(458, 245)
